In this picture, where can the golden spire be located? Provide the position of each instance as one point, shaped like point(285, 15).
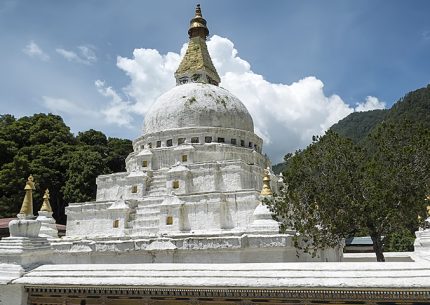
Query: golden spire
point(266, 190)
point(197, 66)
point(27, 203)
point(198, 25)
point(46, 206)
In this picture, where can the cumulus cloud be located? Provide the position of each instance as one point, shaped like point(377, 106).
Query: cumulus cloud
point(286, 116)
point(33, 50)
point(118, 110)
point(224, 57)
point(85, 54)
point(371, 103)
point(151, 74)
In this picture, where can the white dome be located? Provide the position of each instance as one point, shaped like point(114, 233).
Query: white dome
point(197, 105)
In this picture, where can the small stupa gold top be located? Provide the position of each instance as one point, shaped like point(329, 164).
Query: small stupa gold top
point(266, 190)
point(27, 203)
point(46, 206)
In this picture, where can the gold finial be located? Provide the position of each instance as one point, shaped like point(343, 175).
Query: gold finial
point(198, 11)
point(198, 25)
point(46, 206)
point(197, 65)
point(266, 190)
point(27, 203)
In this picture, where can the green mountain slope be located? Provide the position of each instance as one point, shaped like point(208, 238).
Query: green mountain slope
point(358, 125)
point(414, 106)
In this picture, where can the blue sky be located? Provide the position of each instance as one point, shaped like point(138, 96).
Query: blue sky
point(55, 51)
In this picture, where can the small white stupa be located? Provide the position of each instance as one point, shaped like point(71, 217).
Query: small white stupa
point(24, 246)
point(48, 227)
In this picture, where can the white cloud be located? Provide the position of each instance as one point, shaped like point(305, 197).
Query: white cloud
point(224, 56)
point(88, 53)
point(118, 111)
point(86, 56)
point(69, 55)
point(64, 106)
point(33, 50)
point(286, 116)
point(151, 75)
point(371, 103)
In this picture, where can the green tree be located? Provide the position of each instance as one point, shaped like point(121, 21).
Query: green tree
point(33, 145)
point(396, 180)
point(118, 150)
point(43, 145)
point(85, 164)
point(320, 192)
point(8, 147)
point(12, 181)
point(335, 188)
point(399, 241)
point(92, 137)
point(48, 128)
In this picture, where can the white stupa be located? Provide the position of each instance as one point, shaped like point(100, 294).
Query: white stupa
point(193, 179)
point(186, 223)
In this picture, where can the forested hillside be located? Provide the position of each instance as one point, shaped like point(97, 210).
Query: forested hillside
point(42, 145)
point(358, 125)
point(413, 107)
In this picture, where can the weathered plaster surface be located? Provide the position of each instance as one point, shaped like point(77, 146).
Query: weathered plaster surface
point(198, 105)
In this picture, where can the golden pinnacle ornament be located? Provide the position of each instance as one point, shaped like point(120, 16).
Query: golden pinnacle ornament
point(46, 206)
point(27, 203)
point(266, 190)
